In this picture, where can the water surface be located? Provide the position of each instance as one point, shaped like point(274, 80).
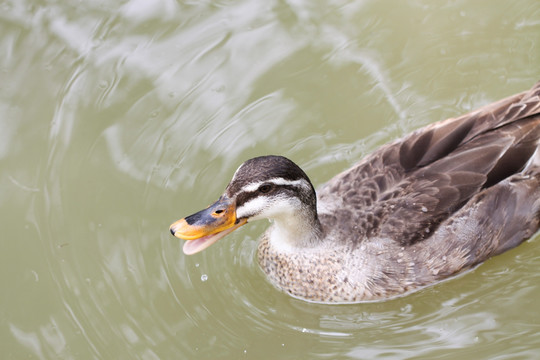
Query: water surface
point(118, 117)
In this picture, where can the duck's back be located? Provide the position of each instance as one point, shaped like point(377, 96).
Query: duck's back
point(457, 191)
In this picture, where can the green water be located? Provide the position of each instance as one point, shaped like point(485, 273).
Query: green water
point(119, 117)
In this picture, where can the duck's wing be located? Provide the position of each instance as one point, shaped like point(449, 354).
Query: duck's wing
point(406, 189)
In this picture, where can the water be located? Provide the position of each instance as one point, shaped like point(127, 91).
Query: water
point(117, 118)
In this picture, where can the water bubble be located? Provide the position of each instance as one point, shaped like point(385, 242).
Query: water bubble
point(204, 277)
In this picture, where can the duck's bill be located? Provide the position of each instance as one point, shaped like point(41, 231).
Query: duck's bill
point(207, 226)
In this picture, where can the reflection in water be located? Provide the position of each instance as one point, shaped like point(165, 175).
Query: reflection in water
point(119, 117)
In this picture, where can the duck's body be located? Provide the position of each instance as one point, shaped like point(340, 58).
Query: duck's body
point(416, 211)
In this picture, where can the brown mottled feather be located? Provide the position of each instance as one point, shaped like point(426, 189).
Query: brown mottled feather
point(406, 189)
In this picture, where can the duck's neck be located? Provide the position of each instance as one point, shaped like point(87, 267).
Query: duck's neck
point(301, 229)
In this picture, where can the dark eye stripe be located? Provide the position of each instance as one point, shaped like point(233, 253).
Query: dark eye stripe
point(245, 196)
point(265, 188)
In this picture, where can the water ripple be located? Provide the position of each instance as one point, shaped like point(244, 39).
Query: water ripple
point(119, 117)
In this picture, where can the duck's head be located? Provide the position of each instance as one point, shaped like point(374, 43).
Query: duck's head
point(271, 187)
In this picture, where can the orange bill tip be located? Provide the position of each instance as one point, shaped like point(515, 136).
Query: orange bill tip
point(205, 227)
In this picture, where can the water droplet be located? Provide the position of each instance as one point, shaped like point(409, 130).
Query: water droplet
point(424, 209)
point(204, 277)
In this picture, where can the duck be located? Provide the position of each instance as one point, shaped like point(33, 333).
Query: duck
point(414, 212)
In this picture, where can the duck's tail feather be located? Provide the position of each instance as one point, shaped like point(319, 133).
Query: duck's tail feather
point(438, 140)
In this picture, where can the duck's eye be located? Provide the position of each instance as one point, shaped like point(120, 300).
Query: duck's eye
point(265, 188)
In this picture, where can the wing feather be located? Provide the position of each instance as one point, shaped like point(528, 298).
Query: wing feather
point(406, 189)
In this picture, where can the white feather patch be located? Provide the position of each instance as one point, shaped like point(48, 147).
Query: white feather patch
point(268, 207)
point(276, 181)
